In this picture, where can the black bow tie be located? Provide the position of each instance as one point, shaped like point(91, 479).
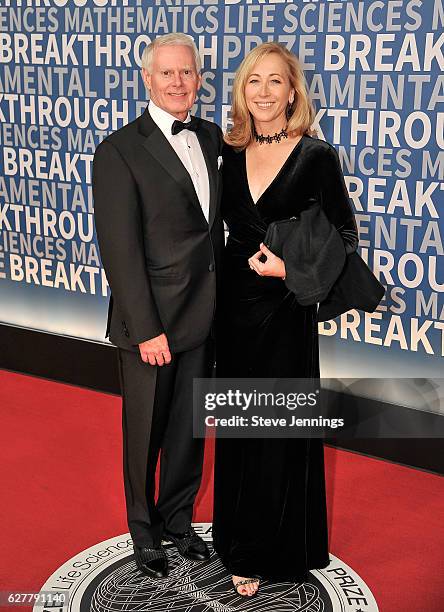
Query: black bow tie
point(178, 126)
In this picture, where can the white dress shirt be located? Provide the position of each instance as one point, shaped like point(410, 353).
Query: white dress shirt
point(187, 147)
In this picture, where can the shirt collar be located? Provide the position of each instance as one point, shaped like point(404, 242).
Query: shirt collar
point(163, 119)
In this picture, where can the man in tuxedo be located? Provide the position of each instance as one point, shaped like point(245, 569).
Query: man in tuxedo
point(157, 210)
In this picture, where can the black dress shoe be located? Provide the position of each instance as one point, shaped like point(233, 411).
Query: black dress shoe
point(151, 561)
point(189, 544)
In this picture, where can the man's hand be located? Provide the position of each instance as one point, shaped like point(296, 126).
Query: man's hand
point(274, 266)
point(155, 351)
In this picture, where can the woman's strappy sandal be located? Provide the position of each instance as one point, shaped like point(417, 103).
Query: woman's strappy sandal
point(239, 583)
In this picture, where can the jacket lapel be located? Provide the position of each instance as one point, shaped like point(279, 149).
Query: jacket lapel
point(158, 146)
point(205, 144)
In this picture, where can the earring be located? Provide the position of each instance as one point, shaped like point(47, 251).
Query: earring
point(289, 110)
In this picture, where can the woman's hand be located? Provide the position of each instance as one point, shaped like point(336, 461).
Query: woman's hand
point(273, 266)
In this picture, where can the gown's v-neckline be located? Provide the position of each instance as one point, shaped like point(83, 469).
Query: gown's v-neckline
point(274, 179)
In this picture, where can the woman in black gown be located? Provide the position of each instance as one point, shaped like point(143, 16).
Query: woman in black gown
point(270, 518)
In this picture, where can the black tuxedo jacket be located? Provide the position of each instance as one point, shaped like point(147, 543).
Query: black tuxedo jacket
point(160, 255)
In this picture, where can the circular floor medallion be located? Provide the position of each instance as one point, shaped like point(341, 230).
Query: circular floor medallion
point(104, 578)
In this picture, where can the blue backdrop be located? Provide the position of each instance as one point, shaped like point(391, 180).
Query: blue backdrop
point(70, 74)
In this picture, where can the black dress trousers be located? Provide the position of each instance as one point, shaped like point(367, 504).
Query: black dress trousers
point(157, 416)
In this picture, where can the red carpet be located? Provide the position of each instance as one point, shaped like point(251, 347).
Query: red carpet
point(62, 491)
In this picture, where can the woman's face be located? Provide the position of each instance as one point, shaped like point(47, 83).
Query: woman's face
point(268, 90)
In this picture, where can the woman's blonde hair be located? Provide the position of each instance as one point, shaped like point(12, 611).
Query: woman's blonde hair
point(301, 113)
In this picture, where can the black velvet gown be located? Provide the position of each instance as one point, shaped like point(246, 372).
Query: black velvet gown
point(270, 517)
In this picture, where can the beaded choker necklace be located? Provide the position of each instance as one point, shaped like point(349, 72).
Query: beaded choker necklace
point(261, 139)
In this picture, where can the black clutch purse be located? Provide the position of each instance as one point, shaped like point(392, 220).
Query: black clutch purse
point(277, 233)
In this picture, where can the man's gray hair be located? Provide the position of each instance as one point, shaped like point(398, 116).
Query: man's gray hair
point(169, 39)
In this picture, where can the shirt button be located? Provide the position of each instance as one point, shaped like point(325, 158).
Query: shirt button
point(211, 267)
